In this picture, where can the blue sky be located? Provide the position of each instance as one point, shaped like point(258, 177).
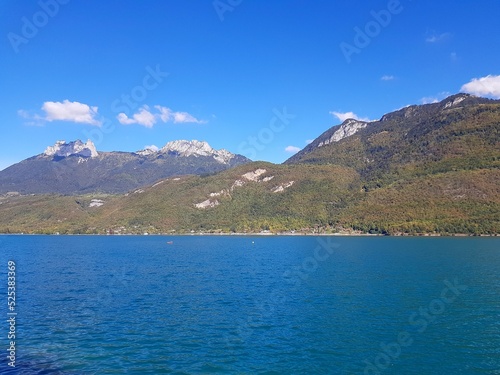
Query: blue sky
point(252, 76)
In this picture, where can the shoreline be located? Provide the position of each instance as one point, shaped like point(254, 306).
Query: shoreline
point(459, 235)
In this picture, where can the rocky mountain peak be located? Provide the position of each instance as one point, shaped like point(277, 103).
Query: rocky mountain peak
point(190, 148)
point(197, 148)
point(62, 149)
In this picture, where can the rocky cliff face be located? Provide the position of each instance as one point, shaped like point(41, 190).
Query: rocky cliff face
point(346, 129)
point(61, 149)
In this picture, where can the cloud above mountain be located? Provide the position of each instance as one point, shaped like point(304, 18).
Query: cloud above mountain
point(434, 98)
point(144, 117)
point(342, 116)
point(70, 111)
point(484, 86)
point(149, 117)
point(81, 113)
point(64, 111)
point(292, 149)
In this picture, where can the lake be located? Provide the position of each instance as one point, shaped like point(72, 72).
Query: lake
point(251, 305)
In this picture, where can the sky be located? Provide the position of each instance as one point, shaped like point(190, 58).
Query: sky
point(256, 77)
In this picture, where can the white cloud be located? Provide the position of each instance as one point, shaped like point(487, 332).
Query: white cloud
point(62, 111)
point(34, 119)
point(70, 111)
point(429, 100)
point(24, 114)
point(124, 119)
point(434, 98)
point(436, 38)
point(147, 118)
point(484, 86)
point(144, 117)
point(292, 149)
point(181, 117)
point(342, 116)
point(387, 78)
point(165, 113)
point(309, 141)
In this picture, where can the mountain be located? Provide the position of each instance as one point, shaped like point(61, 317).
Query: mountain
point(460, 131)
point(77, 167)
point(426, 169)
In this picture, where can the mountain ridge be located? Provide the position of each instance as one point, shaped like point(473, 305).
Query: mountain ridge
point(402, 114)
point(76, 167)
point(460, 130)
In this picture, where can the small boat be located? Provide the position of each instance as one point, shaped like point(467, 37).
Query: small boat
point(170, 242)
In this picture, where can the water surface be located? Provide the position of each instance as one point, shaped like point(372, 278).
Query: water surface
point(253, 305)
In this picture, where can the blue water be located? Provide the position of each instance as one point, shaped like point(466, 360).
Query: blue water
point(252, 305)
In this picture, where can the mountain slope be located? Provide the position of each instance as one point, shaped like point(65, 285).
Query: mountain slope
point(76, 168)
point(262, 196)
point(251, 197)
point(461, 132)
